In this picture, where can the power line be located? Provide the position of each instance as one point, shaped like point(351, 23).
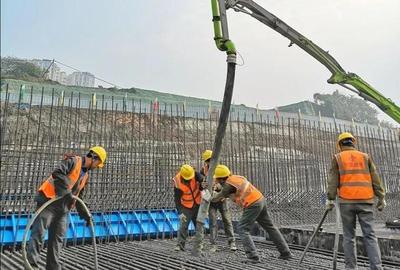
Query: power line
point(97, 78)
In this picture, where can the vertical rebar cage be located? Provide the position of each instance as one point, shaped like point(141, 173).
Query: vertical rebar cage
point(286, 157)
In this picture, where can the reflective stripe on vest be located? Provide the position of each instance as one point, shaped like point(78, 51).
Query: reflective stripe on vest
point(48, 188)
point(188, 191)
point(355, 182)
point(246, 194)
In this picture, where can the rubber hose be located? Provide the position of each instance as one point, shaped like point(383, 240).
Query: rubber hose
point(37, 213)
point(219, 136)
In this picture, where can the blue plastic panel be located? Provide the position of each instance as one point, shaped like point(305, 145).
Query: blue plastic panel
point(136, 223)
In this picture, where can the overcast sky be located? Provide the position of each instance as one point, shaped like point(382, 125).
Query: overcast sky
point(168, 45)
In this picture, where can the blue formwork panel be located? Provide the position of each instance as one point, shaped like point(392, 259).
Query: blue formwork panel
point(116, 224)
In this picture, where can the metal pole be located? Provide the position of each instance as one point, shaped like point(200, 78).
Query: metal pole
point(313, 235)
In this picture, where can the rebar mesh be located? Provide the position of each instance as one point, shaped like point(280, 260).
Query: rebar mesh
point(286, 158)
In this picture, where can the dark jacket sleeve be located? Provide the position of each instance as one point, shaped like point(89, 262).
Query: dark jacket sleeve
point(377, 184)
point(79, 208)
point(224, 193)
point(177, 198)
point(199, 178)
point(60, 176)
point(202, 172)
point(333, 180)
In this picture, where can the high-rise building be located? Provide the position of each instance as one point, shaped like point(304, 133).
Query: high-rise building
point(53, 71)
point(84, 79)
point(63, 78)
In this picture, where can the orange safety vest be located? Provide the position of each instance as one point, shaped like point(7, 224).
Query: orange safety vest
point(48, 188)
point(246, 194)
point(355, 182)
point(191, 192)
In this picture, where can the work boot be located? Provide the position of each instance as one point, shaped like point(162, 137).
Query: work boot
point(285, 256)
point(213, 248)
point(232, 246)
point(197, 252)
point(252, 259)
point(179, 247)
point(33, 265)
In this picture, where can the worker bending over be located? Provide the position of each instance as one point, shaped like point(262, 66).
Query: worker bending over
point(187, 186)
point(68, 179)
point(254, 207)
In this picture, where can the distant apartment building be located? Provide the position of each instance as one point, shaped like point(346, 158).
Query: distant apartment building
point(84, 79)
point(53, 70)
point(54, 73)
point(63, 78)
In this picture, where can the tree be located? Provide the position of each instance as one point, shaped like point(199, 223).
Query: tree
point(346, 107)
point(15, 68)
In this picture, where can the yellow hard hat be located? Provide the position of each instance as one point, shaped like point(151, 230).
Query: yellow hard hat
point(221, 171)
point(187, 172)
point(101, 153)
point(345, 135)
point(206, 155)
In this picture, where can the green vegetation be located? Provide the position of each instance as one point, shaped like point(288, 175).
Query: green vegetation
point(16, 73)
point(337, 105)
point(346, 107)
point(15, 68)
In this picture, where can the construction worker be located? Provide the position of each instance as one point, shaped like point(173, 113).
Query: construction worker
point(254, 207)
point(69, 178)
point(187, 193)
point(220, 206)
point(354, 179)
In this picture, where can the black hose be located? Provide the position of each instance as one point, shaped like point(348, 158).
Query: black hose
point(37, 213)
point(222, 123)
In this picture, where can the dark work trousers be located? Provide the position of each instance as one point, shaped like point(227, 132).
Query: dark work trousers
point(191, 215)
point(222, 207)
point(258, 212)
point(349, 212)
point(53, 218)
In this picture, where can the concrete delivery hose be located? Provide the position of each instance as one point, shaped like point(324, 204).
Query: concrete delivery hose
point(24, 254)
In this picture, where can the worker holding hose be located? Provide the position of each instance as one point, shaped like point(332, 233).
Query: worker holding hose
point(254, 207)
point(220, 206)
point(353, 177)
point(68, 179)
point(188, 185)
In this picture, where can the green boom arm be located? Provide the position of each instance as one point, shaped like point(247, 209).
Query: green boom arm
point(339, 75)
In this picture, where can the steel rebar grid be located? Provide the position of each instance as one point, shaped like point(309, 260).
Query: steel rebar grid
point(286, 158)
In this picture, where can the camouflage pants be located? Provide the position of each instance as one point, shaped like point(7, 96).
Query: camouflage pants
point(191, 215)
point(222, 207)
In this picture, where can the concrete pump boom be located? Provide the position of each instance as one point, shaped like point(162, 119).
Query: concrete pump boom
point(339, 75)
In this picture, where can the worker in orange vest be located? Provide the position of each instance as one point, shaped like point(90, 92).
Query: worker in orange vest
point(254, 205)
point(188, 185)
point(222, 207)
point(67, 180)
point(354, 179)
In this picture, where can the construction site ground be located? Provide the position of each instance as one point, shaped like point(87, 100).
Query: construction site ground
point(380, 230)
point(160, 254)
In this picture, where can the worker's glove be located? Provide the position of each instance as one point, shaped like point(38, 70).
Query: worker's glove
point(87, 218)
point(381, 204)
point(204, 184)
point(217, 187)
point(329, 204)
point(83, 214)
point(182, 218)
point(69, 200)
